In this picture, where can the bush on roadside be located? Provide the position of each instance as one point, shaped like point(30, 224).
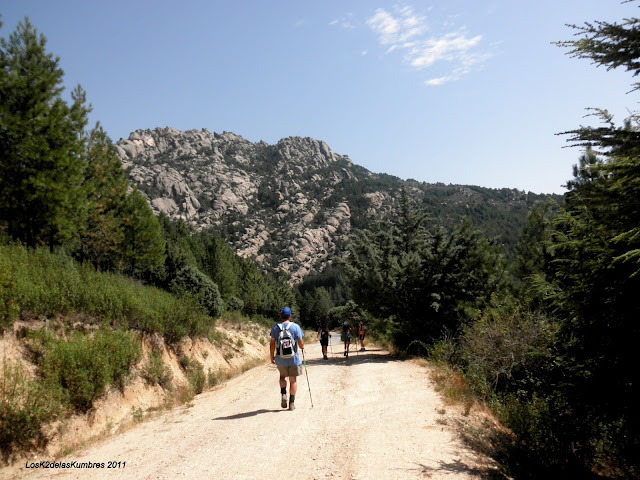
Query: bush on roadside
point(191, 281)
point(26, 405)
point(507, 350)
point(155, 372)
point(84, 365)
point(195, 374)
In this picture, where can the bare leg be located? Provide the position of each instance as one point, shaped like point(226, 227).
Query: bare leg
point(293, 385)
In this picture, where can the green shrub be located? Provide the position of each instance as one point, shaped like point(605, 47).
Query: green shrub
point(25, 406)
point(506, 351)
point(214, 377)
point(195, 374)
point(235, 304)
point(47, 284)
point(192, 281)
point(83, 365)
point(156, 372)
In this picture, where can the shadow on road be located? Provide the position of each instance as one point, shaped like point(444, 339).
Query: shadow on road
point(455, 466)
point(354, 358)
point(249, 414)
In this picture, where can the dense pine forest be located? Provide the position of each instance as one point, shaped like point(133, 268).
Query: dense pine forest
point(544, 335)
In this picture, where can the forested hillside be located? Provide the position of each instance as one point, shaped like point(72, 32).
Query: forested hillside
point(527, 301)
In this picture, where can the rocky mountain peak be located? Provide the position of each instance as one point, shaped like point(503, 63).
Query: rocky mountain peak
point(256, 192)
point(292, 205)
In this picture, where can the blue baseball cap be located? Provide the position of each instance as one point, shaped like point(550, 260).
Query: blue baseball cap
point(286, 312)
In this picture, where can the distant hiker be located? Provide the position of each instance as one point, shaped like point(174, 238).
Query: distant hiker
point(346, 337)
point(286, 343)
point(324, 335)
point(361, 336)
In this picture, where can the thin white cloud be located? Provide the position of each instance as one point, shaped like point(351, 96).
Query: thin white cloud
point(346, 22)
point(404, 30)
point(438, 81)
point(397, 30)
point(450, 47)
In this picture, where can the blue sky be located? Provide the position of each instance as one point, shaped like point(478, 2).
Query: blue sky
point(455, 91)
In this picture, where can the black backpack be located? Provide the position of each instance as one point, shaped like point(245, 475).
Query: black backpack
point(324, 334)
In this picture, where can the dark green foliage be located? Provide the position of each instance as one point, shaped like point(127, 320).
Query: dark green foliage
point(102, 242)
point(218, 261)
point(532, 258)
point(613, 45)
point(143, 241)
point(41, 144)
point(349, 312)
point(333, 281)
point(83, 366)
point(235, 304)
point(427, 282)
point(257, 293)
point(595, 285)
point(315, 307)
point(191, 281)
point(581, 264)
point(593, 275)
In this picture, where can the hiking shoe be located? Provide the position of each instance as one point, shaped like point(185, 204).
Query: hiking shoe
point(325, 357)
point(292, 406)
point(283, 403)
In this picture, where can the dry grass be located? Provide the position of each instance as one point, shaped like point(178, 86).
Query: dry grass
point(453, 386)
point(474, 421)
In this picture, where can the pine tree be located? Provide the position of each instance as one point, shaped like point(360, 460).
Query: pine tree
point(106, 189)
point(144, 245)
point(220, 263)
point(41, 144)
point(612, 45)
point(595, 273)
point(425, 283)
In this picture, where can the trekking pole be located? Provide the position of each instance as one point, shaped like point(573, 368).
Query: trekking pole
point(305, 371)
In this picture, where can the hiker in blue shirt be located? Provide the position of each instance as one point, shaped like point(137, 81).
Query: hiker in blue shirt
point(286, 343)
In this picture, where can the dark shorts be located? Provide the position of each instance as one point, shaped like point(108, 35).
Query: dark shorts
point(324, 343)
point(345, 337)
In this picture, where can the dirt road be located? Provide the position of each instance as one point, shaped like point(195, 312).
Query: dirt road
point(373, 417)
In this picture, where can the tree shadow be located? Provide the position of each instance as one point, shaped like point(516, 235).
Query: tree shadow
point(456, 466)
point(368, 356)
point(249, 414)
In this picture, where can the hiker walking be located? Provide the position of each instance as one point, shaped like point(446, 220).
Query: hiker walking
point(346, 337)
point(286, 343)
point(361, 336)
point(324, 335)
